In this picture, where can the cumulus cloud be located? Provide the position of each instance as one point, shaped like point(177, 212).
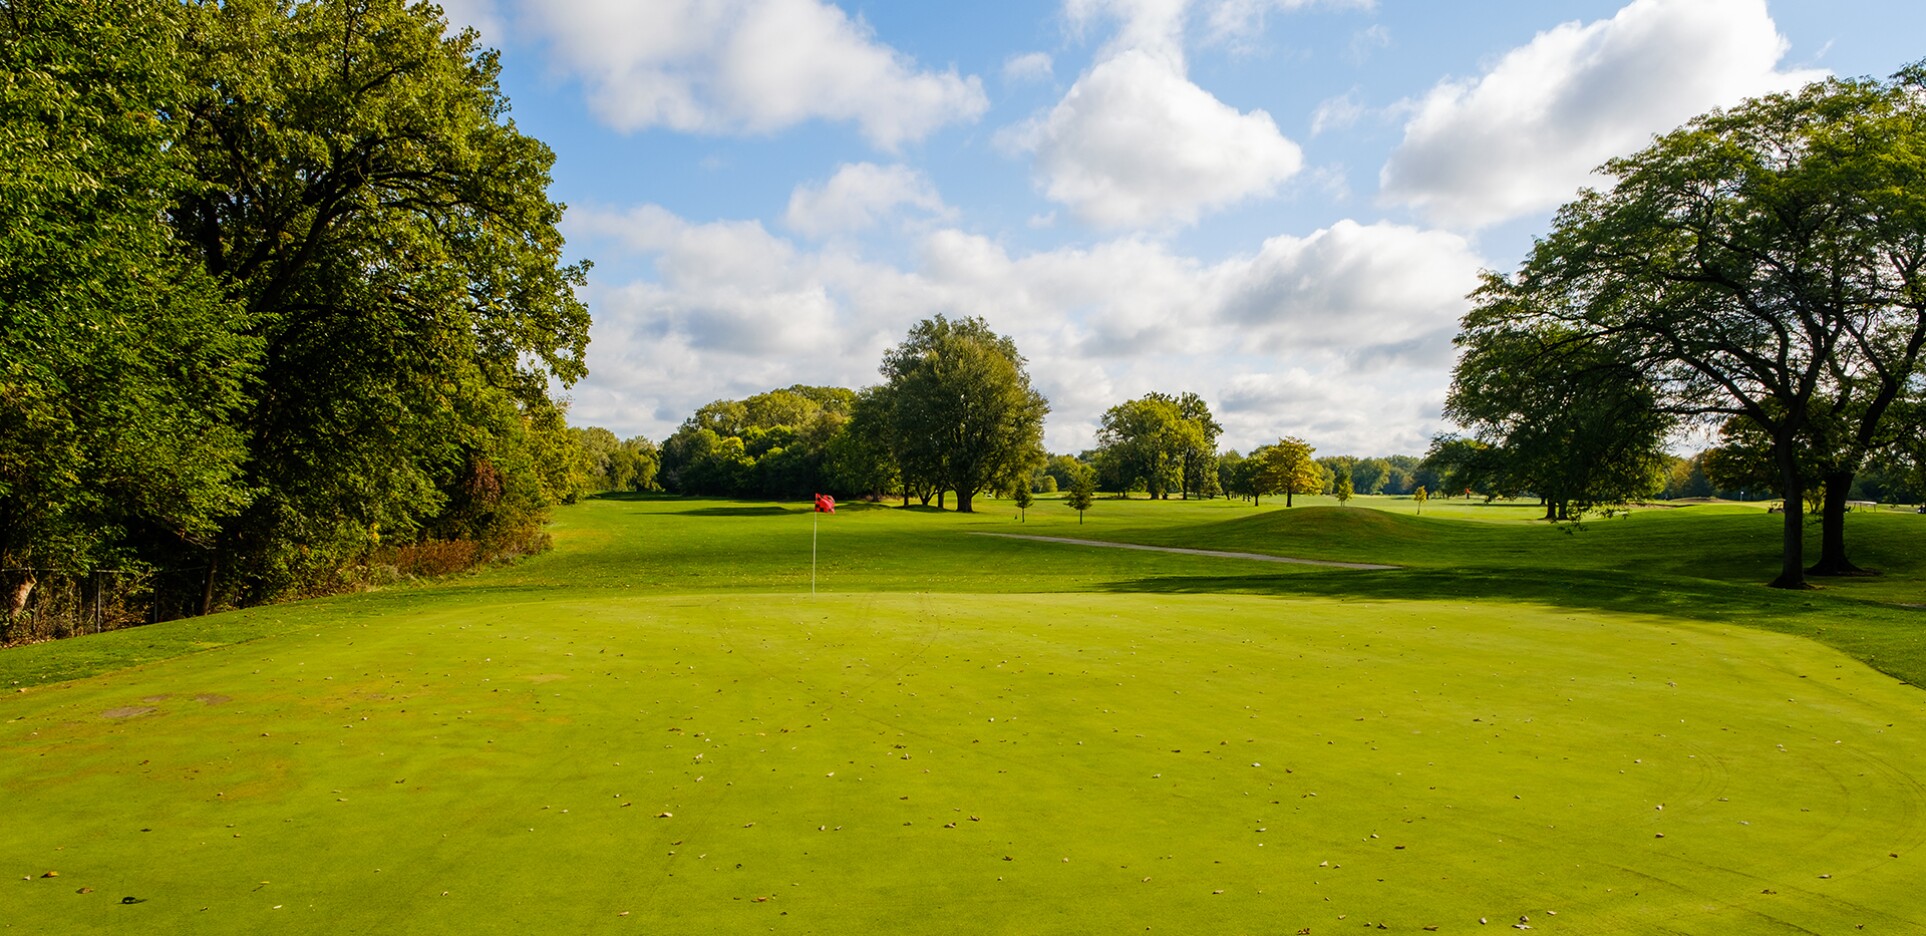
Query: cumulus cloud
point(1134, 143)
point(746, 66)
point(1365, 312)
point(1525, 135)
point(860, 196)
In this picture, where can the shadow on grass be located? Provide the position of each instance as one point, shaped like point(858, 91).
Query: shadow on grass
point(768, 510)
point(1694, 600)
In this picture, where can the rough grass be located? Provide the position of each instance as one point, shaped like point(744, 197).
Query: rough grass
point(1520, 722)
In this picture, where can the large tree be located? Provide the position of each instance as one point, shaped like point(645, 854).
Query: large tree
point(121, 366)
point(386, 228)
point(1565, 418)
point(1285, 467)
point(1766, 263)
point(964, 414)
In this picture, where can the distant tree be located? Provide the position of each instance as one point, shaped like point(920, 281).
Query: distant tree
point(1023, 502)
point(1564, 415)
point(788, 443)
point(1370, 475)
point(1064, 469)
point(1286, 468)
point(965, 416)
point(1342, 489)
point(1465, 466)
point(1142, 443)
point(1198, 451)
point(1234, 475)
point(1419, 496)
point(1082, 492)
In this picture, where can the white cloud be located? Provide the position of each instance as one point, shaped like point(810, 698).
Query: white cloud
point(1527, 134)
point(1364, 312)
point(1134, 143)
point(746, 66)
point(860, 196)
point(1031, 66)
point(1338, 113)
point(1354, 288)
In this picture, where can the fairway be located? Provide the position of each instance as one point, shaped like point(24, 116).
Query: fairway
point(656, 729)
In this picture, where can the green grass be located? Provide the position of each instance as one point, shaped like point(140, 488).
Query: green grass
point(964, 733)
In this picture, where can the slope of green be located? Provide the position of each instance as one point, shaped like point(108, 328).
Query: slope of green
point(656, 728)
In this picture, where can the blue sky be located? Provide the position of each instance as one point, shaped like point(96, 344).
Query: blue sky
point(1277, 204)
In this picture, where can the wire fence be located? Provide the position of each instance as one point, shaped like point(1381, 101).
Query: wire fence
point(47, 604)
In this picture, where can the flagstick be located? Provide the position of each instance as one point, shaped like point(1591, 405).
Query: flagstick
point(812, 552)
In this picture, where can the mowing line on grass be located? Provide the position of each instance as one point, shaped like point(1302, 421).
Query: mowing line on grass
point(1221, 554)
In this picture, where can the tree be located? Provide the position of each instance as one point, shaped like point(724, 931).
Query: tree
point(1286, 468)
point(122, 363)
point(964, 414)
point(1563, 416)
point(387, 230)
point(788, 443)
point(1342, 489)
point(1023, 502)
point(1763, 262)
point(1419, 496)
point(1082, 492)
point(1143, 443)
point(1198, 451)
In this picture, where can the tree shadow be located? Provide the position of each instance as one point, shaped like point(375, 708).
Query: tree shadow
point(766, 510)
point(1687, 599)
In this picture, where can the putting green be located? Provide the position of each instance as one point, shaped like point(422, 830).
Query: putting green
point(589, 761)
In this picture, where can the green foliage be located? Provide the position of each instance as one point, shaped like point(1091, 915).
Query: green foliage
point(1157, 444)
point(1083, 491)
point(1286, 468)
point(358, 187)
point(963, 416)
point(1565, 417)
point(1341, 488)
point(1761, 263)
point(787, 443)
point(121, 362)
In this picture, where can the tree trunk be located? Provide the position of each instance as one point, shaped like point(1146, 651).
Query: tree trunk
point(207, 587)
point(1287, 497)
point(939, 499)
point(963, 498)
point(1832, 529)
point(1792, 560)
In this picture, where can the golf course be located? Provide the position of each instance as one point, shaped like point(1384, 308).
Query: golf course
point(657, 727)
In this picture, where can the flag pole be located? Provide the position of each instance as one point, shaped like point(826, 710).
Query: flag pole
point(813, 519)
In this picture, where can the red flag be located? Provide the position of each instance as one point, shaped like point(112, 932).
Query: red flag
point(825, 504)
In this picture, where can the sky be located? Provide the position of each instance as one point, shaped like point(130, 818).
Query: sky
point(1277, 204)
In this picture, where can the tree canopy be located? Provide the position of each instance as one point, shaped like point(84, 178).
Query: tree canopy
point(964, 415)
point(1763, 263)
point(282, 286)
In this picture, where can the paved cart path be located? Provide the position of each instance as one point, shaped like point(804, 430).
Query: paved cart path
point(1221, 554)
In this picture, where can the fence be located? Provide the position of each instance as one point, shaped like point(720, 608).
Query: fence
point(45, 604)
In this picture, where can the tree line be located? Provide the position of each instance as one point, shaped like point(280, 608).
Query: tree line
point(1761, 272)
point(282, 289)
point(955, 414)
